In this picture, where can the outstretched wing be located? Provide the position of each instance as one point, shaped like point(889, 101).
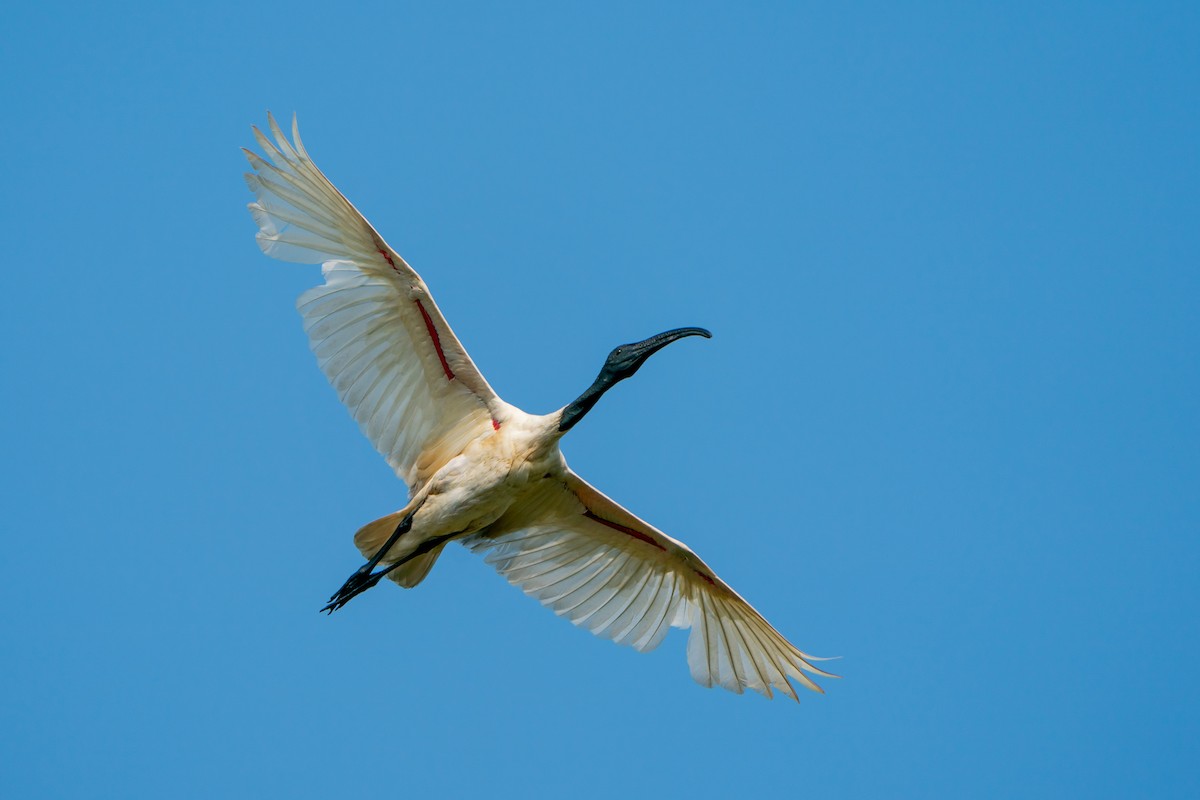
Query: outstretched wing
point(377, 334)
point(598, 565)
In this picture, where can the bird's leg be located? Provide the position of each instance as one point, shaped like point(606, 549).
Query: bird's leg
point(422, 549)
point(362, 579)
point(345, 595)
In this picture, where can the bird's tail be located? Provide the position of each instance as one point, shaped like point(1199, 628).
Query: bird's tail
point(373, 535)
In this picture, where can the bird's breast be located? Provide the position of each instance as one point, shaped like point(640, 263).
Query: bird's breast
point(530, 453)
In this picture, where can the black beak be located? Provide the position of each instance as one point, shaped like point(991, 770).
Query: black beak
point(626, 359)
point(650, 346)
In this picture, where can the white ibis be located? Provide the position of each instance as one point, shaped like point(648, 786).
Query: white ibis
point(481, 471)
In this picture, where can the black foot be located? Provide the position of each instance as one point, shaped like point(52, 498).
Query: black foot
point(355, 585)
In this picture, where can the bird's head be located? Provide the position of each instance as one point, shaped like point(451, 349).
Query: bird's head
point(621, 363)
point(625, 360)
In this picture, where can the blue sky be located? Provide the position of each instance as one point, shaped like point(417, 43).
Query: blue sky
point(946, 427)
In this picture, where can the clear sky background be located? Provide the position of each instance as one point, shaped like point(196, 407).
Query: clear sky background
point(947, 427)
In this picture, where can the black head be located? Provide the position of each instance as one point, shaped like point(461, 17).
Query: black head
point(620, 364)
point(625, 360)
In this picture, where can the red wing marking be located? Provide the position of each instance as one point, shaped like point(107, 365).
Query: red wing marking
point(433, 334)
point(437, 342)
point(387, 257)
point(616, 526)
point(495, 424)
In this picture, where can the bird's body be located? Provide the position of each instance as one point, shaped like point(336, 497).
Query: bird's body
point(499, 469)
point(481, 471)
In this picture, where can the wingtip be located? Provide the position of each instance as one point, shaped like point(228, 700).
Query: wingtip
point(296, 136)
point(817, 670)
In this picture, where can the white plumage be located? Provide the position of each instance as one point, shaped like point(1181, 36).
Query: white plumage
point(481, 471)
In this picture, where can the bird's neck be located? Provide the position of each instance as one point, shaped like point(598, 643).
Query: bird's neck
point(584, 403)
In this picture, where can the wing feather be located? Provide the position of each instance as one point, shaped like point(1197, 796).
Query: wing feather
point(621, 628)
point(377, 334)
point(598, 565)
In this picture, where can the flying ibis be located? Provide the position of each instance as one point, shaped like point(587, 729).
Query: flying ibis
point(480, 471)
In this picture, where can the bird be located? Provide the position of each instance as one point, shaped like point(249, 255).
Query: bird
point(480, 471)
